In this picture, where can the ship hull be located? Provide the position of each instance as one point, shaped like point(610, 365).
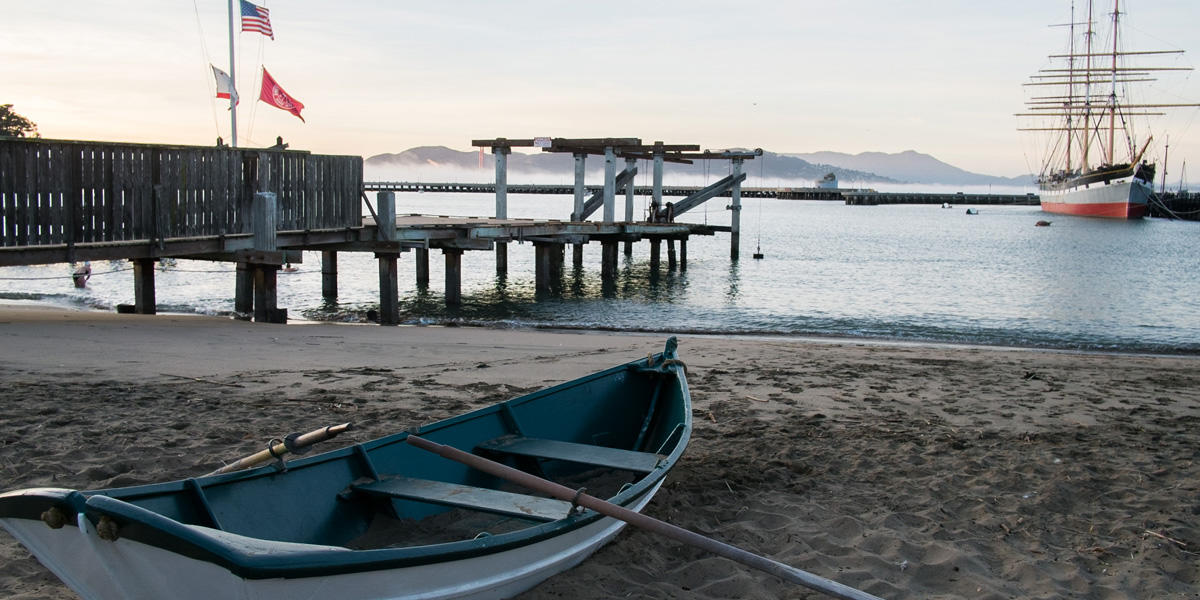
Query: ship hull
point(1128, 199)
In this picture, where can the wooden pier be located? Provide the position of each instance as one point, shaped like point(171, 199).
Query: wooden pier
point(69, 201)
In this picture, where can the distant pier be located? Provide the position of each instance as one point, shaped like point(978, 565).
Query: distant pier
point(849, 196)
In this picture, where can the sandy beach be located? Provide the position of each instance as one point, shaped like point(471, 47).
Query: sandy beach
point(907, 471)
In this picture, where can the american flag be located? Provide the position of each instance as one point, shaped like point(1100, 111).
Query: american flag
point(256, 18)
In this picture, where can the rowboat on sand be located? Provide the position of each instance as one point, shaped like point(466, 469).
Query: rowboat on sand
point(383, 518)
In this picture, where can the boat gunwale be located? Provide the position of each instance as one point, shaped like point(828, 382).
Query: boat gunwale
point(292, 560)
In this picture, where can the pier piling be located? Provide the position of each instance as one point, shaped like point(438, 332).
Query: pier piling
point(608, 260)
point(631, 167)
point(265, 295)
point(735, 225)
point(453, 276)
point(610, 185)
point(243, 297)
point(422, 268)
point(501, 153)
point(329, 272)
point(389, 288)
point(386, 201)
point(143, 286)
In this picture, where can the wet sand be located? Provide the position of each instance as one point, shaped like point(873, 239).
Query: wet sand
point(907, 471)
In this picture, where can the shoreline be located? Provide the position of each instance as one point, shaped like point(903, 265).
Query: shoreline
point(907, 471)
point(553, 328)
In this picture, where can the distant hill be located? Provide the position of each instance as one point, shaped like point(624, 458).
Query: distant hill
point(909, 166)
point(432, 162)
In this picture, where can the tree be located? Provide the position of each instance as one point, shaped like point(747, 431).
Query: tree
point(14, 125)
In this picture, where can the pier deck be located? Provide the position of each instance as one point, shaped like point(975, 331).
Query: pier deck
point(67, 201)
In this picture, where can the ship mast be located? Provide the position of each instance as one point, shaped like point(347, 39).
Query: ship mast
point(1087, 96)
point(1112, 101)
point(1070, 86)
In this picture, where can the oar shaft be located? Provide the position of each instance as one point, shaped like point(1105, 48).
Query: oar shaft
point(762, 563)
point(276, 450)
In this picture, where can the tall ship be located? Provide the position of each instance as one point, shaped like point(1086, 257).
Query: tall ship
point(1094, 164)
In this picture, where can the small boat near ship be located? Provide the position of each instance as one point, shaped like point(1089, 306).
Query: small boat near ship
point(1090, 115)
point(383, 518)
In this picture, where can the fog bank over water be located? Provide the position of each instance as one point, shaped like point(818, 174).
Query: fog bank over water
point(439, 174)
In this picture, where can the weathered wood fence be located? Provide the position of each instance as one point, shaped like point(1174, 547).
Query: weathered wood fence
point(68, 192)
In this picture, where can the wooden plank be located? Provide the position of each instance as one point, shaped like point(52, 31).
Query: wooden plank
point(7, 194)
point(465, 496)
point(69, 174)
point(47, 190)
point(601, 456)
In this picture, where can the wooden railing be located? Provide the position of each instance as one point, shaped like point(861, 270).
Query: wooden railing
point(69, 192)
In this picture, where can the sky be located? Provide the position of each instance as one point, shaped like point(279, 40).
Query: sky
point(942, 77)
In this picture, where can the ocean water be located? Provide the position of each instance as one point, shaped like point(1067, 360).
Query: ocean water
point(918, 273)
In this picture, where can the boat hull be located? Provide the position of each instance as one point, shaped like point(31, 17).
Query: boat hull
point(1128, 199)
point(311, 530)
point(98, 569)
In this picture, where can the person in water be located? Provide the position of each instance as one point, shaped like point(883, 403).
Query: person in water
point(82, 274)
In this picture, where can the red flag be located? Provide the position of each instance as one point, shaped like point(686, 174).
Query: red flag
point(275, 96)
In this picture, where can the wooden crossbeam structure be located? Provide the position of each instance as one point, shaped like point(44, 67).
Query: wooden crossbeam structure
point(630, 150)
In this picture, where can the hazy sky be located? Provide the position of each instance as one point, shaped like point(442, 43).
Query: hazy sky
point(941, 77)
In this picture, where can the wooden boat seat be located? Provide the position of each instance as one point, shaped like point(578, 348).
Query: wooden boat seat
point(465, 496)
point(601, 456)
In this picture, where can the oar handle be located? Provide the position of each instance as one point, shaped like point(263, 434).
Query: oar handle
point(533, 482)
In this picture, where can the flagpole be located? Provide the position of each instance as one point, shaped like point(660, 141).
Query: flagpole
point(233, 97)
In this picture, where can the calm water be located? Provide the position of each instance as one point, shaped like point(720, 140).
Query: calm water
point(898, 272)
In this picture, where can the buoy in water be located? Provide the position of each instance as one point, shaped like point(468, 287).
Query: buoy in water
point(758, 255)
point(1042, 224)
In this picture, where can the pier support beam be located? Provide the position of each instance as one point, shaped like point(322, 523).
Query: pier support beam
point(264, 211)
point(656, 193)
point(329, 284)
point(630, 166)
point(577, 211)
point(143, 287)
point(608, 261)
point(265, 295)
point(548, 263)
point(670, 254)
point(422, 267)
point(580, 188)
point(610, 185)
point(501, 154)
point(453, 276)
point(501, 259)
point(263, 214)
point(386, 201)
point(735, 225)
point(655, 253)
point(683, 254)
point(577, 258)
point(389, 289)
point(243, 298)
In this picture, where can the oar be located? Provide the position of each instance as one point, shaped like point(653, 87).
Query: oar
point(762, 563)
point(298, 444)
